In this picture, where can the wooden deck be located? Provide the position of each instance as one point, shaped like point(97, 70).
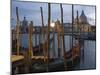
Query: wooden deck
point(38, 57)
point(15, 58)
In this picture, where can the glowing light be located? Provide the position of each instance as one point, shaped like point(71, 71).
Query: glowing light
point(33, 29)
point(52, 25)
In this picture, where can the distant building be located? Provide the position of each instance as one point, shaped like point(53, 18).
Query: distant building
point(24, 25)
point(81, 23)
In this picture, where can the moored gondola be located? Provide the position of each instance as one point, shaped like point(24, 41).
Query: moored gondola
point(57, 64)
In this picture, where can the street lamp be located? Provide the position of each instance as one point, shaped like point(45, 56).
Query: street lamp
point(53, 30)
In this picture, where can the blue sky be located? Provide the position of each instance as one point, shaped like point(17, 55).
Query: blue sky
point(32, 12)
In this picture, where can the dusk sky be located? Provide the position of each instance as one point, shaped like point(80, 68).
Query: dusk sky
point(31, 10)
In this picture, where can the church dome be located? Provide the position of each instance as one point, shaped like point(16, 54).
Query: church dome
point(24, 22)
point(83, 18)
point(24, 25)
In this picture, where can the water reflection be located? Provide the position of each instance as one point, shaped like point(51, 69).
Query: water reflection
point(86, 62)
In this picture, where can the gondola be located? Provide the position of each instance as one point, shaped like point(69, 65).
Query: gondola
point(57, 64)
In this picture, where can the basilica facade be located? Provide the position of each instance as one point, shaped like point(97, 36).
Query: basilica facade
point(81, 23)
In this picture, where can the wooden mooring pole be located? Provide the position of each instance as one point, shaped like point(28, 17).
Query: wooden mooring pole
point(43, 35)
point(79, 38)
point(39, 40)
point(78, 33)
point(30, 29)
point(63, 38)
point(54, 53)
point(35, 38)
point(29, 53)
point(48, 35)
point(58, 37)
point(17, 30)
point(72, 31)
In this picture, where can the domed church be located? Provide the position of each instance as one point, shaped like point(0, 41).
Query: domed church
point(81, 23)
point(24, 25)
point(83, 18)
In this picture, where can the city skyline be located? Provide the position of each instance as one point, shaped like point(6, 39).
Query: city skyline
point(31, 10)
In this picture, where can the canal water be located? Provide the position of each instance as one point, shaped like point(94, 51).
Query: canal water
point(88, 61)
